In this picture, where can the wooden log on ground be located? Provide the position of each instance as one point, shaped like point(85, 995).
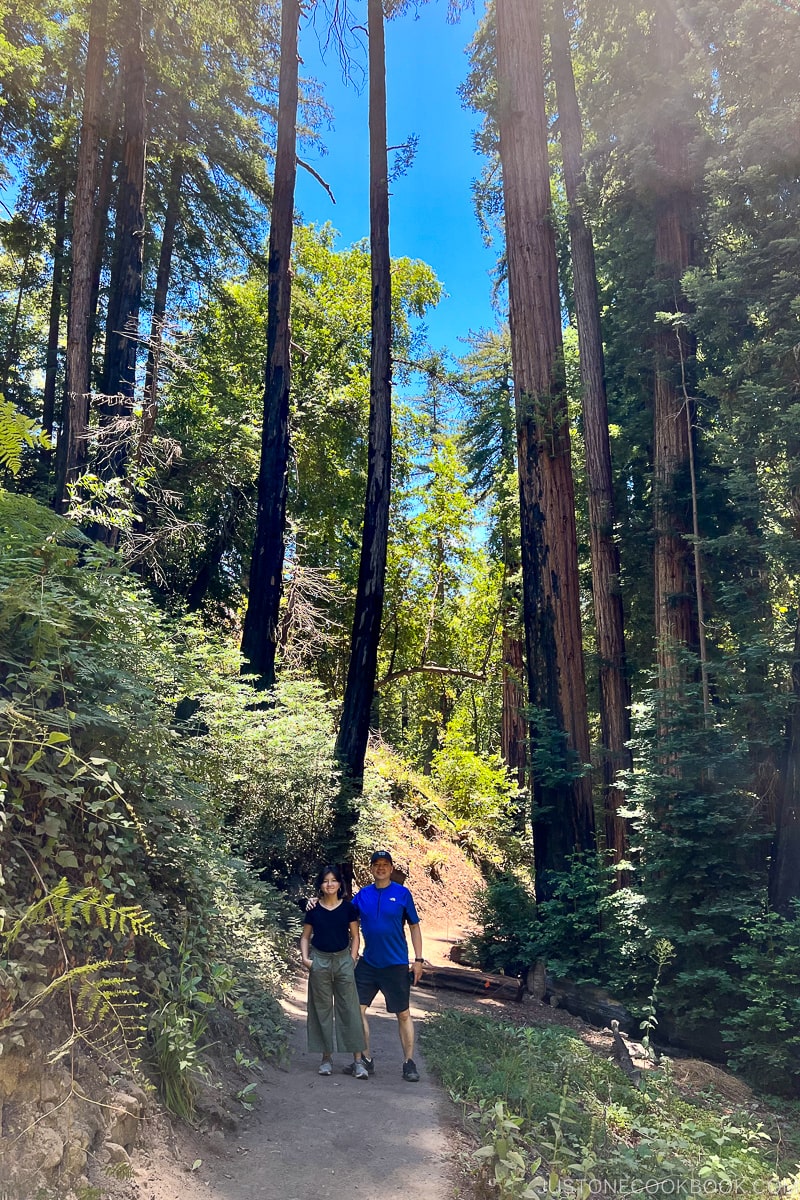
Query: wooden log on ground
point(473, 983)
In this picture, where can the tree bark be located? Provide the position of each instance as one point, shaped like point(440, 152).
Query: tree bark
point(563, 814)
point(54, 322)
point(513, 726)
point(125, 295)
point(105, 186)
point(72, 447)
point(615, 696)
point(784, 876)
point(150, 404)
point(351, 744)
point(259, 641)
point(676, 625)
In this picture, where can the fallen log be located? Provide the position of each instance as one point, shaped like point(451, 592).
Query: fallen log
point(483, 983)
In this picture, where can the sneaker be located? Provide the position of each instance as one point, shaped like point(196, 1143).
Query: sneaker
point(360, 1070)
point(369, 1063)
point(326, 1067)
point(410, 1072)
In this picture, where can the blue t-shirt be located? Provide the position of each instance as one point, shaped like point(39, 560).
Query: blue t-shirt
point(383, 913)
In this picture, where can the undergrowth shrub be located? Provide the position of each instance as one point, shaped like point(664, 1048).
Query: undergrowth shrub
point(575, 1118)
point(275, 777)
point(509, 937)
point(483, 801)
point(471, 799)
point(702, 852)
point(105, 786)
point(763, 1030)
point(587, 931)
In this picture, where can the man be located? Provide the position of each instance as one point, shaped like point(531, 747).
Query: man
point(384, 909)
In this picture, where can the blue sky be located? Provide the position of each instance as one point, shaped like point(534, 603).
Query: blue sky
point(431, 205)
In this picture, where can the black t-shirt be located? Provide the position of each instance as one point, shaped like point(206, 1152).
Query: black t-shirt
point(331, 927)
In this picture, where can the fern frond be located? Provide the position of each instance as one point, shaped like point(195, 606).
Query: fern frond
point(107, 1005)
point(63, 903)
point(17, 431)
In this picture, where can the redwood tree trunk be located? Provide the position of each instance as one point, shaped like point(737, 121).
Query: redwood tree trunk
point(72, 447)
point(259, 641)
point(150, 406)
point(54, 324)
point(351, 745)
point(563, 814)
point(676, 624)
point(514, 727)
point(105, 185)
point(122, 323)
point(615, 697)
point(784, 877)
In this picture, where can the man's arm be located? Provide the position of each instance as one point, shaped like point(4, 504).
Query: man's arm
point(355, 940)
point(416, 942)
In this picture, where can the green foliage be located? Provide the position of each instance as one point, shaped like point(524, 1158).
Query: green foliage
point(110, 801)
point(64, 905)
point(482, 800)
point(542, 1094)
point(763, 1029)
point(589, 931)
point(689, 803)
point(663, 953)
point(502, 1149)
point(105, 1008)
point(16, 432)
point(506, 910)
point(212, 409)
point(276, 778)
point(175, 1040)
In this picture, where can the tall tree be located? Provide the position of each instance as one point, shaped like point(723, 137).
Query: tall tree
point(563, 814)
point(489, 439)
point(784, 878)
point(259, 641)
point(615, 695)
point(163, 274)
point(72, 445)
point(676, 622)
point(351, 743)
point(125, 292)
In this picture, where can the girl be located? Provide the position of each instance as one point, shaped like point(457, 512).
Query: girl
point(329, 950)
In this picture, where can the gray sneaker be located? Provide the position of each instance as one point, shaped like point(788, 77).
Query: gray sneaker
point(369, 1063)
point(359, 1069)
point(326, 1067)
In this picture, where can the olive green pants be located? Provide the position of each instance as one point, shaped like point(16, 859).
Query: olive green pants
point(334, 1015)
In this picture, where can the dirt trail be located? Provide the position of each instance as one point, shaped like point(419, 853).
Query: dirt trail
point(315, 1138)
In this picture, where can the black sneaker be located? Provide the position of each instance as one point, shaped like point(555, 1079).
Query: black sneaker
point(410, 1072)
point(369, 1063)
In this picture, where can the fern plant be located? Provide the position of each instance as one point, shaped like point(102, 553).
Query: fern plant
point(105, 1008)
point(63, 904)
point(16, 432)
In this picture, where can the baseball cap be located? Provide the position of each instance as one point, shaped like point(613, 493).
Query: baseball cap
point(381, 854)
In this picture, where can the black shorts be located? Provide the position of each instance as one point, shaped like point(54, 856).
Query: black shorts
point(394, 982)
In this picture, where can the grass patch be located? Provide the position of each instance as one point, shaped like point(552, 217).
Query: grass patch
point(553, 1117)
